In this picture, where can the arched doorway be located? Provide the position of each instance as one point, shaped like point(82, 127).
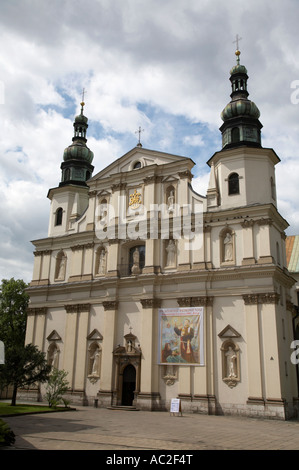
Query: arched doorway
point(129, 385)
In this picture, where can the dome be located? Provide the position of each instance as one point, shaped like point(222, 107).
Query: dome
point(240, 107)
point(81, 119)
point(78, 151)
point(238, 69)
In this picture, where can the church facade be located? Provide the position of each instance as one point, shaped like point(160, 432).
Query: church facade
point(145, 291)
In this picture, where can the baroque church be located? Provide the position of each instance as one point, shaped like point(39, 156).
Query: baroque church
point(145, 291)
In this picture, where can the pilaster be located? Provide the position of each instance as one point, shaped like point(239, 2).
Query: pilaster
point(110, 314)
point(148, 395)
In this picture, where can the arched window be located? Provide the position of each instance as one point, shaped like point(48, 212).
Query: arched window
point(137, 165)
point(235, 134)
point(58, 216)
point(233, 183)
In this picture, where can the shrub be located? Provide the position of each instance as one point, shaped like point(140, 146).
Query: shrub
point(7, 436)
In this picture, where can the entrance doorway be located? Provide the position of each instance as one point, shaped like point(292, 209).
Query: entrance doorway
point(129, 385)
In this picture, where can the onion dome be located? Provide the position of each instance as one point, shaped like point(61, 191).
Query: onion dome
point(240, 116)
point(77, 157)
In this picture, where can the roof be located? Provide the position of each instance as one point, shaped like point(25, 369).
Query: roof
point(292, 252)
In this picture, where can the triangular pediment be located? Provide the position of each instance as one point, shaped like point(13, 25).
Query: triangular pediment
point(137, 158)
point(95, 335)
point(229, 332)
point(54, 336)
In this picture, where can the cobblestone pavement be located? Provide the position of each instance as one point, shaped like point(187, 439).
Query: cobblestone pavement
point(88, 428)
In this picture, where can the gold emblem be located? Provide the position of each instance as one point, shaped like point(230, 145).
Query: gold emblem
point(135, 199)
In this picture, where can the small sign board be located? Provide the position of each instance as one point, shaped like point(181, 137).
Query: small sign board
point(2, 353)
point(175, 406)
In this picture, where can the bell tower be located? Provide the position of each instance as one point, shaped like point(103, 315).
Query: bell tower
point(242, 172)
point(77, 158)
point(241, 125)
point(70, 199)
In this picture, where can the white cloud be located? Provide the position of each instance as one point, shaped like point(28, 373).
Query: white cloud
point(160, 65)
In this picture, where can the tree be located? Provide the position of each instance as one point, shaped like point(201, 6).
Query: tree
point(24, 365)
point(57, 385)
point(13, 307)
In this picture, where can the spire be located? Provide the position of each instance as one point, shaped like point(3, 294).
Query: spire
point(241, 116)
point(77, 158)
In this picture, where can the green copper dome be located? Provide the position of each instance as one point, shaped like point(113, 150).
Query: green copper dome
point(81, 119)
point(238, 69)
point(78, 151)
point(241, 107)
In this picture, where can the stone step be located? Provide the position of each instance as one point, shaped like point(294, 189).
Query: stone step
point(124, 408)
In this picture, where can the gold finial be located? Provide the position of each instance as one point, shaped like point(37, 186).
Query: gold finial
point(82, 102)
point(237, 48)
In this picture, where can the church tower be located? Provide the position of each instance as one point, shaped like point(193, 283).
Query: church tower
point(243, 172)
point(70, 198)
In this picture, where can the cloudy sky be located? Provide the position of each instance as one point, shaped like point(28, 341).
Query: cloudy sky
point(159, 64)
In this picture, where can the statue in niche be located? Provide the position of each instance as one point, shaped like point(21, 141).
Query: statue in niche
point(231, 363)
point(61, 267)
point(102, 262)
point(94, 361)
point(170, 249)
point(170, 200)
point(53, 357)
point(136, 267)
point(228, 247)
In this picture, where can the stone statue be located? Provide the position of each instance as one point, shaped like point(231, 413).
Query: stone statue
point(96, 362)
point(228, 247)
point(135, 268)
point(231, 365)
point(102, 262)
point(170, 200)
point(61, 269)
point(170, 249)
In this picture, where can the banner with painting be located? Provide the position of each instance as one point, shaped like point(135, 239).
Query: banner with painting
point(181, 336)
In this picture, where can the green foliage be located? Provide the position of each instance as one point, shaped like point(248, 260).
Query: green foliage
point(7, 436)
point(57, 385)
point(13, 311)
point(24, 365)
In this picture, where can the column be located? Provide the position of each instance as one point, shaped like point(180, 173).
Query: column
point(76, 263)
point(36, 268)
point(70, 342)
point(112, 258)
point(254, 360)
point(264, 241)
point(35, 332)
point(110, 312)
point(207, 247)
point(270, 348)
point(81, 350)
point(248, 253)
point(148, 394)
point(88, 262)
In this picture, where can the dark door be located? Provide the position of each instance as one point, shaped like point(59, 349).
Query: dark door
point(129, 385)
